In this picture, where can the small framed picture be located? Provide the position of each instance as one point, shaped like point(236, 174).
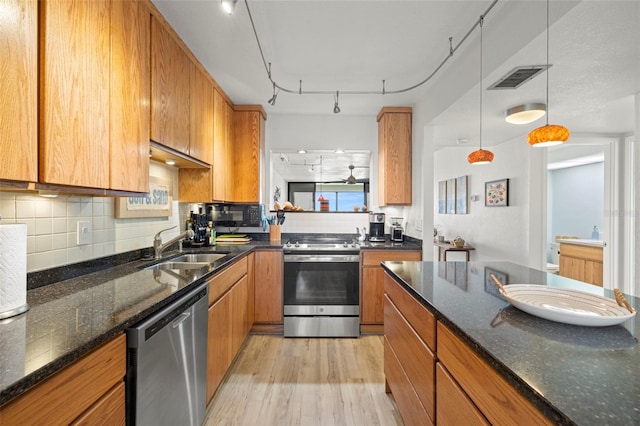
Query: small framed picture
point(461, 195)
point(442, 197)
point(496, 193)
point(451, 196)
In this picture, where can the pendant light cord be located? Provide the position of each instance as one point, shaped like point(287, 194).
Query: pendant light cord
point(481, 23)
point(547, 114)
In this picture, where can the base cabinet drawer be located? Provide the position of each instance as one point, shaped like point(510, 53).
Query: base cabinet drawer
point(498, 401)
point(453, 406)
point(397, 382)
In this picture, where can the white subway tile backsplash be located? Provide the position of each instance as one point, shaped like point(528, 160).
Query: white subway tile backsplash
point(73, 209)
point(43, 207)
point(43, 226)
point(31, 244)
point(44, 243)
point(59, 241)
point(7, 208)
point(59, 207)
point(25, 208)
point(59, 225)
point(98, 209)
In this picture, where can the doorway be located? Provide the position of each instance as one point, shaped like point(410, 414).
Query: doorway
point(581, 188)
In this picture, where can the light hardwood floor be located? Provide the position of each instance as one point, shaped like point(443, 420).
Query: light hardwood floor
point(306, 382)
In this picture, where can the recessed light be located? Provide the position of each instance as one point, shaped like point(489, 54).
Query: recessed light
point(524, 114)
point(170, 162)
point(339, 151)
point(302, 151)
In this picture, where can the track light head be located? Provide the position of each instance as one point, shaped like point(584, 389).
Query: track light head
point(228, 6)
point(272, 100)
point(336, 108)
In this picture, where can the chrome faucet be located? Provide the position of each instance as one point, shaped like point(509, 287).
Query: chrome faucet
point(159, 247)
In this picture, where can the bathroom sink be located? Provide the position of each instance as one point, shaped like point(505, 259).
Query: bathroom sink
point(199, 257)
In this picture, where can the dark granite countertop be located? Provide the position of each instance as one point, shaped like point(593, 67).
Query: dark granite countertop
point(76, 308)
point(574, 374)
point(70, 318)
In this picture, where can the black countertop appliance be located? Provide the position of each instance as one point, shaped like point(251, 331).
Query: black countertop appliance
point(376, 227)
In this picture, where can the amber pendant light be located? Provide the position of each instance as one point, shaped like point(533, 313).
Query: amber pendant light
point(481, 156)
point(549, 134)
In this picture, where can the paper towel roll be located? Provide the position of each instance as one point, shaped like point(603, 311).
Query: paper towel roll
point(13, 269)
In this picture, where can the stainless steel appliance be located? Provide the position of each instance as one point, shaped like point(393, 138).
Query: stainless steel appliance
point(376, 227)
point(167, 364)
point(321, 289)
point(397, 233)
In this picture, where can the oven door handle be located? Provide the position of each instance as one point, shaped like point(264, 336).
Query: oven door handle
point(306, 258)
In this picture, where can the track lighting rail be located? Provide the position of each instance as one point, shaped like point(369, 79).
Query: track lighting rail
point(384, 90)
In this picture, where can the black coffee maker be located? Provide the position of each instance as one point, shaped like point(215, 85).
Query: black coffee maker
point(376, 227)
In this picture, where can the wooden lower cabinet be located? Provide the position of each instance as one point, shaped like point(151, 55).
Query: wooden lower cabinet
point(582, 263)
point(228, 310)
point(453, 406)
point(450, 386)
point(416, 361)
point(372, 284)
point(269, 273)
point(89, 389)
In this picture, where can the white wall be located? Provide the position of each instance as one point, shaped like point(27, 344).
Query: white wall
point(51, 225)
point(577, 198)
point(497, 233)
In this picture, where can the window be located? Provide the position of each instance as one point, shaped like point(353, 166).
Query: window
point(342, 197)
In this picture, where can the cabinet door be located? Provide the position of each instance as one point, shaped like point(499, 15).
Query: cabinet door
point(372, 295)
point(250, 291)
point(231, 158)
point(130, 91)
point(74, 92)
point(248, 145)
point(239, 297)
point(170, 68)
point(220, 155)
point(18, 86)
point(269, 274)
point(219, 338)
point(394, 156)
point(572, 267)
point(201, 105)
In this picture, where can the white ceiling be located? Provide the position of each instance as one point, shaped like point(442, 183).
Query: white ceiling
point(353, 45)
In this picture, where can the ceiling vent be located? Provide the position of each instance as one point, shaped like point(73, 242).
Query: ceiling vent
point(517, 77)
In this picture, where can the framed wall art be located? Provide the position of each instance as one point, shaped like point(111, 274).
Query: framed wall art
point(461, 195)
point(442, 197)
point(496, 193)
point(451, 196)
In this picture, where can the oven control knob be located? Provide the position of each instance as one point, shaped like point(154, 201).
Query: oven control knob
point(297, 243)
point(345, 244)
point(288, 243)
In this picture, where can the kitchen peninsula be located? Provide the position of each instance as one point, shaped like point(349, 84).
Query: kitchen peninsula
point(566, 374)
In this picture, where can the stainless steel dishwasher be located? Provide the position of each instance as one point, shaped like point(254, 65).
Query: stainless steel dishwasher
point(167, 364)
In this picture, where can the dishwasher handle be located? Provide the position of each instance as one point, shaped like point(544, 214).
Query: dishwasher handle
point(181, 318)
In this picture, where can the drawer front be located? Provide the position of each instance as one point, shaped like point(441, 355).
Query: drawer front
point(223, 281)
point(581, 252)
point(108, 411)
point(498, 400)
point(411, 409)
point(417, 361)
point(453, 406)
point(374, 257)
point(422, 321)
point(64, 396)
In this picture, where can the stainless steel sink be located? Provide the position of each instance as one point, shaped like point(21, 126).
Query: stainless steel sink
point(180, 265)
point(199, 257)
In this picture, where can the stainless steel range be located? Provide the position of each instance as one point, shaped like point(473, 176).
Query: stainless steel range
point(321, 282)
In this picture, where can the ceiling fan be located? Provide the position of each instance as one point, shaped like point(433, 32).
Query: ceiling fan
point(351, 180)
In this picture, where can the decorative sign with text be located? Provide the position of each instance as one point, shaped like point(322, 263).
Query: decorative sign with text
point(156, 203)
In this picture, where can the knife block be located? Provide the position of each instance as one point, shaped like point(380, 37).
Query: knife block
point(275, 232)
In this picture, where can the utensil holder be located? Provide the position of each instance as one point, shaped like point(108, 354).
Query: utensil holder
point(275, 232)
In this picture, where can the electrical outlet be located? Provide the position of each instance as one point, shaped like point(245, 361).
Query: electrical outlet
point(83, 232)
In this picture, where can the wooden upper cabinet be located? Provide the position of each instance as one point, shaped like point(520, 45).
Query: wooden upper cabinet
point(18, 85)
point(230, 158)
point(170, 71)
point(394, 156)
point(248, 148)
point(220, 147)
point(130, 91)
point(74, 92)
point(201, 106)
